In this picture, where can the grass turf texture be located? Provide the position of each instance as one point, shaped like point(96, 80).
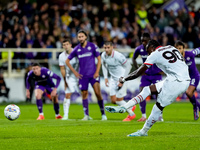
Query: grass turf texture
point(178, 131)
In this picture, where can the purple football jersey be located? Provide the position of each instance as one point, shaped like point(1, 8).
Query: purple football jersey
point(44, 79)
point(190, 61)
point(141, 50)
point(86, 56)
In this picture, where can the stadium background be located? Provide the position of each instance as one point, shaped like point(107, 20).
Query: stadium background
point(35, 25)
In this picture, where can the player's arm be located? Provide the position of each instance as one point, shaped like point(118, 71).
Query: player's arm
point(55, 76)
point(72, 69)
point(96, 74)
point(134, 74)
point(105, 73)
point(63, 72)
point(58, 79)
point(28, 85)
point(125, 64)
point(151, 59)
point(135, 64)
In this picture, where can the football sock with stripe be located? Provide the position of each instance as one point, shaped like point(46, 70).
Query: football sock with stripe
point(155, 114)
point(139, 98)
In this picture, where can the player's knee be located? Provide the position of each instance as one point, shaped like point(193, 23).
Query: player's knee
point(68, 95)
point(189, 94)
point(85, 94)
point(38, 96)
point(159, 106)
point(147, 90)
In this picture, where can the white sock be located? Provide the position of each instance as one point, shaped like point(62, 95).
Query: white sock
point(129, 110)
point(155, 114)
point(120, 103)
point(66, 104)
point(41, 114)
point(144, 115)
point(57, 115)
point(139, 98)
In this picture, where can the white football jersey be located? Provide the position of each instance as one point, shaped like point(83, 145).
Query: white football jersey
point(74, 62)
point(114, 63)
point(170, 61)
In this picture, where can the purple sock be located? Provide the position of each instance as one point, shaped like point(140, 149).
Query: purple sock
point(101, 105)
point(143, 107)
point(198, 104)
point(85, 106)
point(193, 101)
point(56, 108)
point(39, 105)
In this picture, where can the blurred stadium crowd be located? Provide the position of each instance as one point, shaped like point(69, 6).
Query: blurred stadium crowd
point(42, 24)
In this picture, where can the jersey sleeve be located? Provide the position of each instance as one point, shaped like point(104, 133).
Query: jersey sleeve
point(61, 62)
point(73, 54)
point(122, 59)
point(196, 51)
point(96, 51)
point(151, 59)
point(104, 68)
point(55, 76)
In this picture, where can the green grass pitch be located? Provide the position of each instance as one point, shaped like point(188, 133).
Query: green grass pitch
point(178, 131)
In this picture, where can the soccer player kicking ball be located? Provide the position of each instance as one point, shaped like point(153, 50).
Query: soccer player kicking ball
point(194, 75)
point(172, 63)
point(70, 80)
point(43, 83)
point(86, 52)
point(118, 66)
point(151, 76)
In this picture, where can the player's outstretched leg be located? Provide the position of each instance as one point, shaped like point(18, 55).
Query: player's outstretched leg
point(161, 118)
point(155, 114)
point(138, 133)
point(139, 98)
point(131, 114)
point(115, 109)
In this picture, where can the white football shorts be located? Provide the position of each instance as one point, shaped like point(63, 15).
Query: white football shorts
point(72, 85)
point(169, 90)
point(114, 89)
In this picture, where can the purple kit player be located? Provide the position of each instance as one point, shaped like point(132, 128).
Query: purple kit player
point(194, 75)
point(152, 75)
point(43, 83)
point(86, 52)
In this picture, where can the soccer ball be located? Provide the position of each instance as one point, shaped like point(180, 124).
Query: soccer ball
point(12, 112)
